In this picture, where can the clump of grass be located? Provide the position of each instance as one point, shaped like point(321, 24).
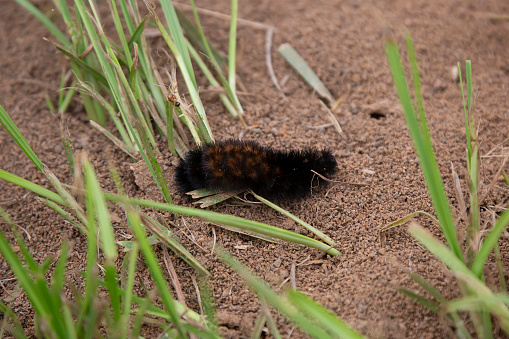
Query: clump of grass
point(478, 300)
point(87, 314)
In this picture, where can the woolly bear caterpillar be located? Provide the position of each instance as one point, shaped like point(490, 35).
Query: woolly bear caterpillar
point(234, 165)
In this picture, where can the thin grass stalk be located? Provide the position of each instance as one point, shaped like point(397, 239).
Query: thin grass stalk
point(472, 166)
point(205, 42)
point(213, 82)
point(39, 298)
point(169, 128)
point(322, 316)
point(226, 84)
point(87, 312)
point(127, 299)
point(489, 243)
point(232, 46)
point(301, 222)
point(417, 87)
point(120, 32)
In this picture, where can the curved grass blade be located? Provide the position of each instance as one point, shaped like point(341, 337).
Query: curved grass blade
point(301, 222)
point(43, 192)
point(14, 132)
point(231, 221)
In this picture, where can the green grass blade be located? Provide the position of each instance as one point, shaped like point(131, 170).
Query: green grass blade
point(178, 37)
point(128, 296)
point(310, 228)
point(282, 305)
point(80, 63)
point(157, 173)
point(45, 21)
point(428, 287)
point(197, 37)
point(119, 143)
point(66, 142)
point(16, 330)
point(322, 316)
point(169, 128)
point(170, 240)
point(137, 34)
point(203, 125)
point(24, 279)
point(424, 151)
point(66, 101)
point(66, 196)
point(231, 221)
point(107, 236)
point(58, 277)
point(87, 313)
point(43, 192)
point(120, 32)
point(417, 87)
point(29, 260)
point(489, 243)
point(432, 306)
point(467, 133)
point(232, 46)
point(14, 132)
point(299, 65)
point(213, 82)
point(476, 286)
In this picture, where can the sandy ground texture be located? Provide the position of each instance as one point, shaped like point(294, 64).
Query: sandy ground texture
point(343, 42)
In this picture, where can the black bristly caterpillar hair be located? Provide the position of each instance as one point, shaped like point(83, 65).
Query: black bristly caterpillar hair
point(234, 165)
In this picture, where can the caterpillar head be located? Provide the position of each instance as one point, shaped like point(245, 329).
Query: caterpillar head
point(326, 163)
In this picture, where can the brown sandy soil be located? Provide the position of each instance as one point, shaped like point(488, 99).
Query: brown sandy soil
point(343, 42)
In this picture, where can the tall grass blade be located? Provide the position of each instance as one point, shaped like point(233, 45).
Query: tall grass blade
point(37, 297)
point(232, 46)
point(424, 150)
point(196, 36)
point(179, 50)
point(14, 132)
